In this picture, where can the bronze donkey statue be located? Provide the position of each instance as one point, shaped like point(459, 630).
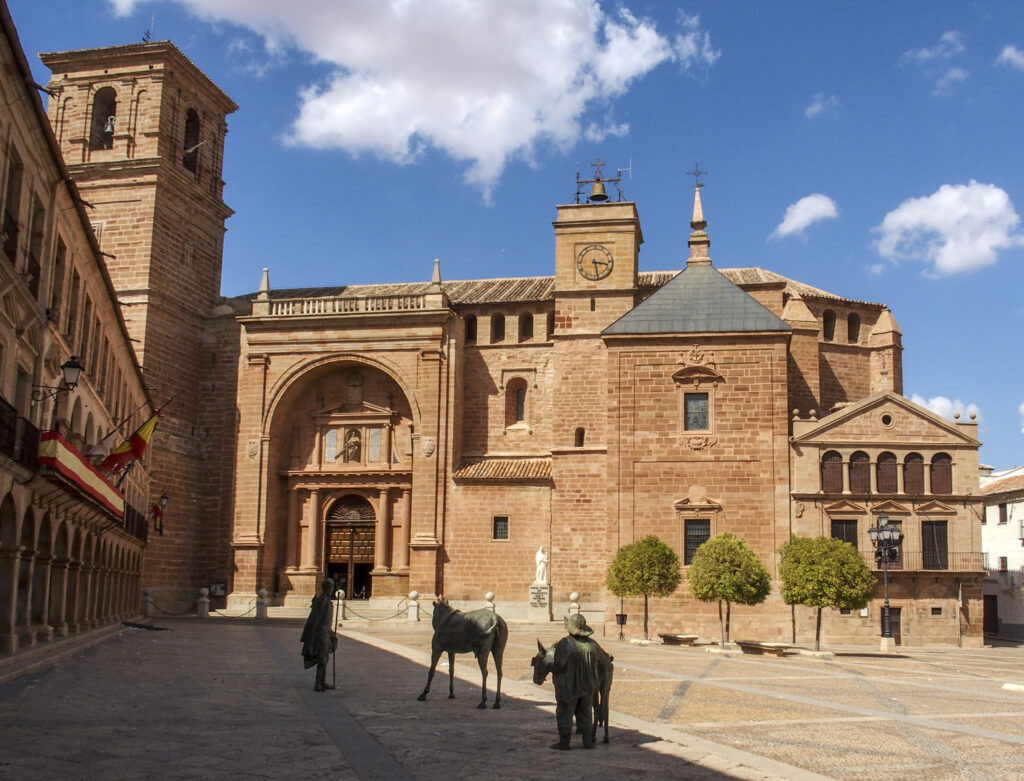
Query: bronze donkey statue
point(481, 631)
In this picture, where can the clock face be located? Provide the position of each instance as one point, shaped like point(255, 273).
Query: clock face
point(594, 262)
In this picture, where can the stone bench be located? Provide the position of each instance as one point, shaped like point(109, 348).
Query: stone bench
point(678, 639)
point(754, 647)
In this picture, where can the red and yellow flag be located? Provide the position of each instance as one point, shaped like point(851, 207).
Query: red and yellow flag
point(132, 448)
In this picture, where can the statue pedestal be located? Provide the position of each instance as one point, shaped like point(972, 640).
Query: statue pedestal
point(540, 602)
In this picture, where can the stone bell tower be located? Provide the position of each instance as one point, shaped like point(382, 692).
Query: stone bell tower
point(142, 130)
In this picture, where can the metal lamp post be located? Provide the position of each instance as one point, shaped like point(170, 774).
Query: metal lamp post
point(886, 541)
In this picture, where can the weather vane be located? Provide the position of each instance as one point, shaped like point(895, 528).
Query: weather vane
point(696, 173)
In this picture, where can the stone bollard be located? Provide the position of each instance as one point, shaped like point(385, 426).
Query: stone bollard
point(489, 601)
point(203, 605)
point(414, 606)
point(574, 603)
point(261, 604)
point(148, 608)
point(341, 605)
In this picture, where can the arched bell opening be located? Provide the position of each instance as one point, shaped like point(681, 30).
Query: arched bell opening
point(349, 530)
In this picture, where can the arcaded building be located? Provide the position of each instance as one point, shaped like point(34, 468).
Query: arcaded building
point(432, 436)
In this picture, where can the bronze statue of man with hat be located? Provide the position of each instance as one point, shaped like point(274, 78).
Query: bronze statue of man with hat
point(576, 675)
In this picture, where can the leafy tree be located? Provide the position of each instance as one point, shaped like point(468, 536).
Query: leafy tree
point(648, 567)
point(824, 572)
point(725, 569)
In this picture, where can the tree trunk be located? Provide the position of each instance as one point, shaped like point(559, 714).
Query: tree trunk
point(645, 617)
point(721, 624)
point(817, 632)
point(728, 616)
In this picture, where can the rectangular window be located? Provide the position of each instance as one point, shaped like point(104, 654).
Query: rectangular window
point(499, 527)
point(845, 531)
point(695, 412)
point(933, 542)
point(1002, 513)
point(936, 611)
point(844, 611)
point(695, 533)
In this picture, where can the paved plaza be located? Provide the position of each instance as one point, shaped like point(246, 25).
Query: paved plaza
point(228, 698)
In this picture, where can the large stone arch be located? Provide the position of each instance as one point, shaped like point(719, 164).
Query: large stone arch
point(300, 372)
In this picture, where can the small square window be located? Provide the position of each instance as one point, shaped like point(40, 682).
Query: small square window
point(844, 611)
point(499, 527)
point(936, 611)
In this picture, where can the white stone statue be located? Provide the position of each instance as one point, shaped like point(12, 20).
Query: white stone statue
point(542, 565)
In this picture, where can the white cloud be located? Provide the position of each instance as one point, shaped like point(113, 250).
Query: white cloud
point(821, 104)
point(484, 82)
point(946, 408)
point(805, 212)
point(949, 45)
point(948, 80)
point(597, 133)
point(1012, 56)
point(958, 228)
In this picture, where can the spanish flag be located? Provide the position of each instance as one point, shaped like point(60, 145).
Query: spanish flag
point(132, 448)
point(158, 519)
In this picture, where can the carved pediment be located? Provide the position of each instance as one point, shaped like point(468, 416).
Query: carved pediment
point(935, 508)
point(364, 412)
point(695, 375)
point(890, 507)
point(697, 501)
point(845, 506)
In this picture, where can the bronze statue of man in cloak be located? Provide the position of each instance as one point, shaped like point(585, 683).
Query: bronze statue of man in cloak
point(318, 638)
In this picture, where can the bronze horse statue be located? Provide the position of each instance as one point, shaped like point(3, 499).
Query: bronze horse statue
point(543, 662)
point(481, 631)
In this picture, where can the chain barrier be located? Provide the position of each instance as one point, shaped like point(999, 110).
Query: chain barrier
point(402, 611)
point(166, 613)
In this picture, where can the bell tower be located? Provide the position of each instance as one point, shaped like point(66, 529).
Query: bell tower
point(142, 131)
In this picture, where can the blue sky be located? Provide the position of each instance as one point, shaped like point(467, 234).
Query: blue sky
point(871, 149)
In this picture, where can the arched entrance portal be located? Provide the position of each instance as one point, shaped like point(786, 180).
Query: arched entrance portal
point(349, 545)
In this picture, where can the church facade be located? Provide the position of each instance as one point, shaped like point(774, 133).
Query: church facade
point(432, 436)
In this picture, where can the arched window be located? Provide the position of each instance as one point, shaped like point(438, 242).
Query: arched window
point(853, 328)
point(942, 474)
point(470, 329)
point(579, 436)
point(497, 328)
point(913, 474)
point(860, 473)
point(515, 401)
point(525, 327)
point(828, 325)
point(104, 117)
point(886, 467)
point(190, 146)
point(832, 473)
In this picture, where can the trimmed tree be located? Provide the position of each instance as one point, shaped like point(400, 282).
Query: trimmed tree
point(648, 567)
point(824, 572)
point(726, 570)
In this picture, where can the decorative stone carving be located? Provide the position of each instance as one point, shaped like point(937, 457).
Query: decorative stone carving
point(428, 445)
point(699, 442)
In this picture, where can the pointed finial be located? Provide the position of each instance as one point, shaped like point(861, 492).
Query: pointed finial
point(265, 285)
point(699, 241)
point(435, 279)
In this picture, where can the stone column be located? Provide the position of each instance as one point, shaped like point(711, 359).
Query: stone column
point(9, 558)
point(291, 553)
point(59, 597)
point(401, 563)
point(312, 528)
point(382, 535)
point(24, 628)
point(386, 444)
point(846, 476)
point(873, 473)
point(899, 477)
point(927, 478)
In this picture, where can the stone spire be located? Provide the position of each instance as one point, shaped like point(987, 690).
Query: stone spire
point(699, 241)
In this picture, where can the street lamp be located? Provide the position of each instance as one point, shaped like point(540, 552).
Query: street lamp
point(71, 372)
point(886, 540)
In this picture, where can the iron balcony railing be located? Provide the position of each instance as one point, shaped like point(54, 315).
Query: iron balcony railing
point(340, 305)
point(136, 523)
point(917, 561)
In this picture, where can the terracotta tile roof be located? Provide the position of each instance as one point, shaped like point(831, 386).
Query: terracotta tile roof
point(1004, 485)
point(466, 292)
point(513, 468)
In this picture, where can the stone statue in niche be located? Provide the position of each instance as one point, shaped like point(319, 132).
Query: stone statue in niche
point(354, 391)
point(353, 446)
point(542, 560)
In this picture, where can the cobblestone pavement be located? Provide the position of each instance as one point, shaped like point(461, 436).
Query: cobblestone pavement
point(228, 698)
